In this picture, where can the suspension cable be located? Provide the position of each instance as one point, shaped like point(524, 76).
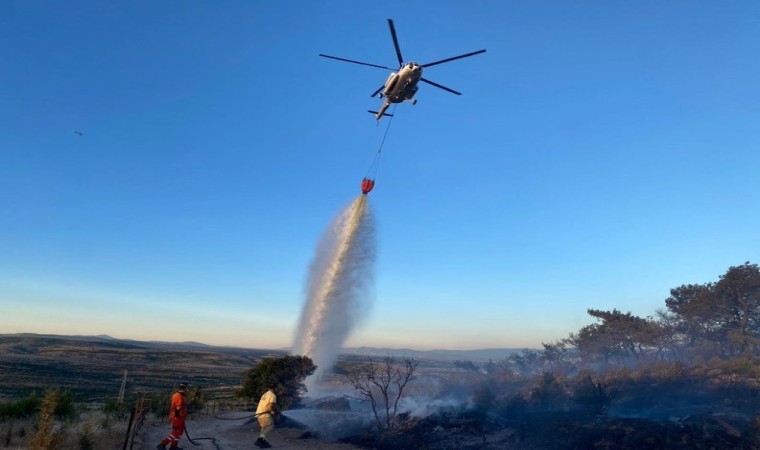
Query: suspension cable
point(375, 165)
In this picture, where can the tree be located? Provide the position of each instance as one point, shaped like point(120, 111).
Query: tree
point(558, 356)
point(618, 336)
point(525, 363)
point(723, 318)
point(695, 315)
point(382, 384)
point(738, 294)
point(287, 373)
point(673, 339)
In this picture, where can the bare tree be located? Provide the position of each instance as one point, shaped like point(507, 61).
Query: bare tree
point(382, 384)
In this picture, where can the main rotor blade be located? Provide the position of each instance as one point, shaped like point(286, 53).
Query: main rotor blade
point(442, 87)
point(452, 59)
point(377, 91)
point(395, 43)
point(356, 62)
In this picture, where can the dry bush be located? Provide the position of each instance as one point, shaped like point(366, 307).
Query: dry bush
point(91, 430)
point(549, 392)
point(49, 435)
point(14, 434)
point(592, 393)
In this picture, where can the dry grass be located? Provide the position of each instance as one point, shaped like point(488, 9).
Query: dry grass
point(94, 427)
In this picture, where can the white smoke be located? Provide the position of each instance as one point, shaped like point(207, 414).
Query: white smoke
point(338, 288)
point(423, 407)
point(332, 425)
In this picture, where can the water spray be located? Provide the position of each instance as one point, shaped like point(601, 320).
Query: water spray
point(339, 284)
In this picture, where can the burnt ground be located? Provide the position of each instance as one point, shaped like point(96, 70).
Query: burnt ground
point(478, 431)
point(563, 430)
point(235, 434)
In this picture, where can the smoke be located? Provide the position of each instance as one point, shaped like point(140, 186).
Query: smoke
point(332, 424)
point(338, 287)
point(424, 407)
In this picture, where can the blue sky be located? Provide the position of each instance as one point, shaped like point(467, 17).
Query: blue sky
point(601, 154)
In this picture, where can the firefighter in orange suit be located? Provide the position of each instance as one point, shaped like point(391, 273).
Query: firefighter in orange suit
point(177, 414)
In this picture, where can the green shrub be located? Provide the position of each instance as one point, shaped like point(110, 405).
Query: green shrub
point(65, 408)
point(287, 372)
point(20, 409)
point(112, 408)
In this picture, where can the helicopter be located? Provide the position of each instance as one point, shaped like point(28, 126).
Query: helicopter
point(402, 83)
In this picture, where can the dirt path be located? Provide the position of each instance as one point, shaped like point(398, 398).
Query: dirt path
point(231, 435)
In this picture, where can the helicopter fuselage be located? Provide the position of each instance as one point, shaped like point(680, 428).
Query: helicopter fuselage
point(402, 85)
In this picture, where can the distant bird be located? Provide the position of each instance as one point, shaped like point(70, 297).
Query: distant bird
point(79, 133)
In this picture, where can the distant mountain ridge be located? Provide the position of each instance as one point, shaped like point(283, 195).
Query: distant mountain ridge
point(104, 338)
point(479, 355)
point(485, 354)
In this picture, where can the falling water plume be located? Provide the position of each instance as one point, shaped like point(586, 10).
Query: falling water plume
point(338, 287)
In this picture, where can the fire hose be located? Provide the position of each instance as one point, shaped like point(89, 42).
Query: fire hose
point(248, 416)
point(213, 440)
